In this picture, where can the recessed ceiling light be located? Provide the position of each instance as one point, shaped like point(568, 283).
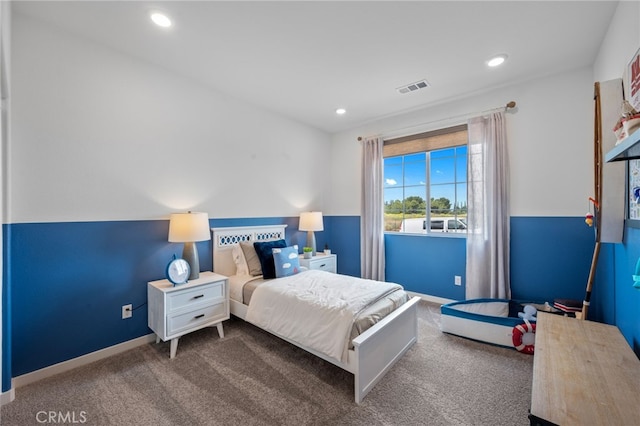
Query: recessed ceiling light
point(341, 111)
point(161, 19)
point(497, 60)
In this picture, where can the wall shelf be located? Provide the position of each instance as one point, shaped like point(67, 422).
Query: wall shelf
point(628, 149)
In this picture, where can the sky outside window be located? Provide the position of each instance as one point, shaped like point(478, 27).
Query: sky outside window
point(448, 175)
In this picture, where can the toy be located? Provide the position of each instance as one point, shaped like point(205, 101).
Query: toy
point(588, 219)
point(524, 337)
point(529, 313)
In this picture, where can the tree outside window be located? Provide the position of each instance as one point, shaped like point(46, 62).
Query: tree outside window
point(439, 176)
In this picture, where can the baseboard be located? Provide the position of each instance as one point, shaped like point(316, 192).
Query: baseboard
point(61, 367)
point(429, 298)
point(7, 397)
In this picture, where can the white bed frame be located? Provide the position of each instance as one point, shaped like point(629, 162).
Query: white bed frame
point(374, 352)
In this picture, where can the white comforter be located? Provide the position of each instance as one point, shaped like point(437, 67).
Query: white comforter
point(315, 308)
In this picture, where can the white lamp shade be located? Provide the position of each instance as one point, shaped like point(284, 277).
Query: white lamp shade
point(311, 221)
point(189, 227)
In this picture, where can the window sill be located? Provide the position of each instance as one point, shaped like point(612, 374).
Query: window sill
point(431, 234)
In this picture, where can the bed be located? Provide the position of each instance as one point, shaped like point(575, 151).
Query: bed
point(368, 354)
point(496, 321)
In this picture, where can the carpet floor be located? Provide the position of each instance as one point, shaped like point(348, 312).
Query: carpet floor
point(253, 378)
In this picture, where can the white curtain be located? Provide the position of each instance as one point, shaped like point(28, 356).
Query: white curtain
point(372, 218)
point(488, 209)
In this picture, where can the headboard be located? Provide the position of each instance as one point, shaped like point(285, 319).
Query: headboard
point(225, 238)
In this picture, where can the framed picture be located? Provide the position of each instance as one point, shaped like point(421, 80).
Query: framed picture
point(633, 193)
point(632, 80)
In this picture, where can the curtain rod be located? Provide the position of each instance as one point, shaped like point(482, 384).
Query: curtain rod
point(509, 105)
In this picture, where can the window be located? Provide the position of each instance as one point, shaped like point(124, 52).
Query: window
point(430, 166)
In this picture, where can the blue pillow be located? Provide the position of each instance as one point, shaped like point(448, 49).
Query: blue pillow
point(286, 261)
point(265, 254)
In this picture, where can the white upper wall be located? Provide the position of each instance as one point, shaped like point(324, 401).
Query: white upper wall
point(550, 136)
point(620, 44)
point(550, 144)
point(98, 135)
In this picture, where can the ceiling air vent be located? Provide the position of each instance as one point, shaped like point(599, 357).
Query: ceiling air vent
point(422, 84)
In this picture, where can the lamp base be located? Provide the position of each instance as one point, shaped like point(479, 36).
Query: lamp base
point(311, 241)
point(190, 254)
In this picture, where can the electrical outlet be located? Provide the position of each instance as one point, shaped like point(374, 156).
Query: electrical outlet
point(127, 312)
point(457, 280)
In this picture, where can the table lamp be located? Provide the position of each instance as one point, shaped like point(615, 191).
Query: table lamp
point(189, 228)
point(310, 222)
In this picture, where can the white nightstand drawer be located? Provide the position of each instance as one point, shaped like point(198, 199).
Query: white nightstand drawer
point(189, 320)
point(178, 310)
point(323, 262)
point(200, 294)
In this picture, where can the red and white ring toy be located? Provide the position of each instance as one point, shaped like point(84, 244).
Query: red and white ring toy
point(524, 337)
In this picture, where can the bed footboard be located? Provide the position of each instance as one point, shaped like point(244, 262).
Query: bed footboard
point(380, 347)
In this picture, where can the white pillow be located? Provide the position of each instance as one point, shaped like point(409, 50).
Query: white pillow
point(492, 309)
point(239, 260)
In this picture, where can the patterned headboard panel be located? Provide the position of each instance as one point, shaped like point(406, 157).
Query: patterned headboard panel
point(225, 238)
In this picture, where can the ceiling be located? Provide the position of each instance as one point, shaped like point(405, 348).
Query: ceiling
point(304, 59)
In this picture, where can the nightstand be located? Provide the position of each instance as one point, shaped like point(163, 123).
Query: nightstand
point(324, 262)
point(177, 310)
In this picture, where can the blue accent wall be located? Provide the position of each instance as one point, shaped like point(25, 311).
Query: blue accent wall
point(65, 283)
point(551, 258)
point(6, 318)
point(425, 264)
point(343, 239)
point(626, 298)
point(70, 280)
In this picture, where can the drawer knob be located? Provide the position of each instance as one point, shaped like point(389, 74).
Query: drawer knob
point(198, 316)
point(323, 265)
point(198, 296)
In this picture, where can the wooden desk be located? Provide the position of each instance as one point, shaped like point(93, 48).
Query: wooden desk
point(584, 373)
